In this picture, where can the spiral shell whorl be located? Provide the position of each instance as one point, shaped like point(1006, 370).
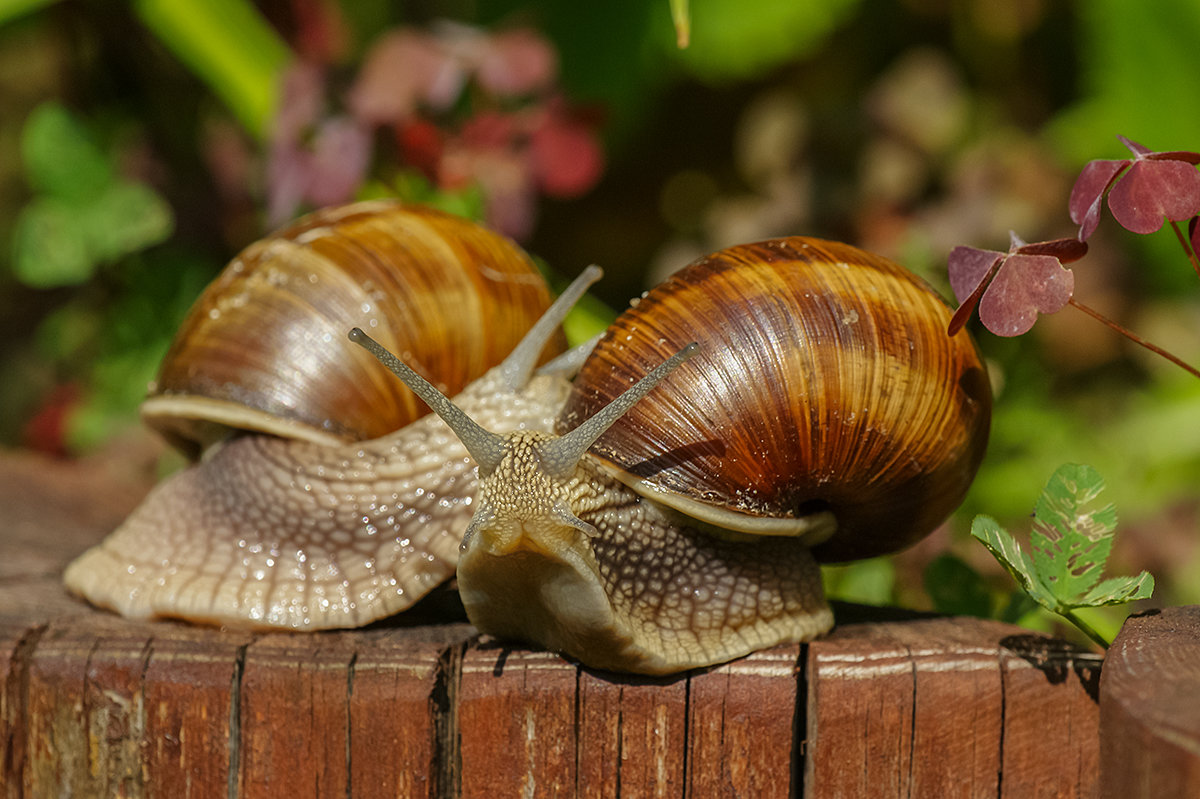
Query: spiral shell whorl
point(265, 348)
point(825, 380)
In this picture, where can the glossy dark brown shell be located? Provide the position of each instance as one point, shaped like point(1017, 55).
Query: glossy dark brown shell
point(265, 346)
point(825, 381)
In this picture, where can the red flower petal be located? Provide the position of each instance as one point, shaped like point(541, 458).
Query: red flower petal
point(1153, 189)
point(421, 145)
point(1025, 286)
point(566, 156)
point(1089, 190)
point(1176, 155)
point(1137, 149)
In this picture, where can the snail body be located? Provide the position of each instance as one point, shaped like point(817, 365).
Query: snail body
point(824, 411)
point(297, 523)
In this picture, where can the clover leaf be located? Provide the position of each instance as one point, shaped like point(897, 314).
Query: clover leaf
point(1071, 540)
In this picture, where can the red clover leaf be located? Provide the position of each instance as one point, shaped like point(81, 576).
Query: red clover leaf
point(1012, 288)
point(1142, 190)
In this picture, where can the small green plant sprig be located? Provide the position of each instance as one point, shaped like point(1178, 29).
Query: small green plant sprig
point(1072, 536)
point(1071, 540)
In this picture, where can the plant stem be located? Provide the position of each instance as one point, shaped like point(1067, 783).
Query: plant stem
point(1084, 627)
point(1135, 338)
point(1187, 246)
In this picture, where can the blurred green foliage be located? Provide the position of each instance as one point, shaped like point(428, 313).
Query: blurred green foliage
point(82, 214)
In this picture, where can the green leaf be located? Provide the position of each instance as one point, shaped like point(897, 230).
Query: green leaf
point(59, 156)
point(956, 588)
point(1119, 590)
point(230, 46)
point(49, 248)
point(870, 582)
point(125, 218)
point(744, 39)
point(10, 9)
point(1072, 536)
point(1008, 552)
point(683, 23)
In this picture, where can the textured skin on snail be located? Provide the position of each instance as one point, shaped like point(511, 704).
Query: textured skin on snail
point(302, 536)
point(264, 347)
point(650, 592)
point(825, 381)
point(302, 529)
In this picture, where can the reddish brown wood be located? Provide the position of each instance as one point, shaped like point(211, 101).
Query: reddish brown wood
point(516, 723)
point(860, 694)
point(189, 695)
point(633, 734)
point(1051, 719)
point(742, 720)
point(294, 717)
point(945, 707)
point(58, 742)
point(401, 743)
point(958, 705)
point(91, 704)
point(1150, 707)
point(16, 642)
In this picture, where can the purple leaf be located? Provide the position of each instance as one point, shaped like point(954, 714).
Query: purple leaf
point(970, 271)
point(1135, 148)
point(1023, 287)
point(1176, 155)
point(1152, 189)
point(968, 267)
point(1089, 190)
point(1065, 250)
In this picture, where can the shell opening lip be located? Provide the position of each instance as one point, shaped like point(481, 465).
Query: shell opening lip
point(812, 529)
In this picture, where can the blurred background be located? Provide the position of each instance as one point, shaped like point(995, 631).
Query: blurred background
point(143, 143)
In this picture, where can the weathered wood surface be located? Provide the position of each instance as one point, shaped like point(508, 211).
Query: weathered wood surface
point(94, 705)
point(1150, 707)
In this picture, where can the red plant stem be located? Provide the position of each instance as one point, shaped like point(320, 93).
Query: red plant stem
point(1135, 338)
point(1187, 246)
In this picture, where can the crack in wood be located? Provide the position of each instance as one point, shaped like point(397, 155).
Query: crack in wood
point(235, 722)
point(15, 717)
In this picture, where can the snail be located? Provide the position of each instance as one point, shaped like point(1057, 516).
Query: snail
point(767, 406)
point(320, 499)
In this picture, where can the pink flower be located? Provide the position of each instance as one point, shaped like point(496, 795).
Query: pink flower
point(401, 71)
point(515, 62)
point(312, 159)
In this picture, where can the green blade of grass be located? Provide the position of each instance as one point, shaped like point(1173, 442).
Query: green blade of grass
point(229, 46)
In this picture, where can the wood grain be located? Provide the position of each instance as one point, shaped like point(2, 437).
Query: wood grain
point(516, 723)
point(1150, 707)
point(92, 704)
point(948, 707)
point(741, 726)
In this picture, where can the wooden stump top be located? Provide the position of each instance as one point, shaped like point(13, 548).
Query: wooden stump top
point(1150, 708)
point(91, 704)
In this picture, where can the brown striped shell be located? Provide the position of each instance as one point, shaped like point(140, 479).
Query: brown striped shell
point(265, 348)
point(825, 381)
